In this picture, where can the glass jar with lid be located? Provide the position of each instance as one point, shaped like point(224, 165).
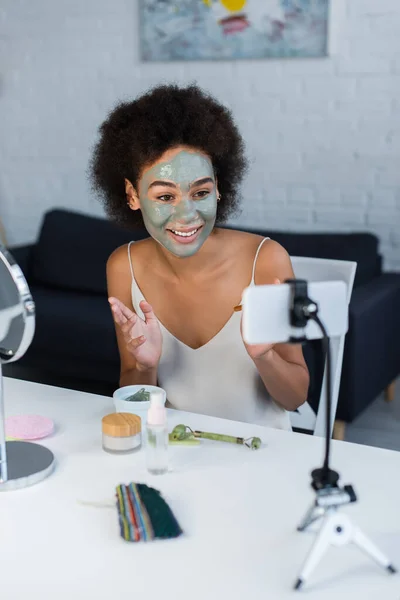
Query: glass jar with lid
point(122, 433)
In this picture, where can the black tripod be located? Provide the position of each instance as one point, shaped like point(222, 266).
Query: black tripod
point(336, 528)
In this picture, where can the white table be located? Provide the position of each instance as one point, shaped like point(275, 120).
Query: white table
point(239, 510)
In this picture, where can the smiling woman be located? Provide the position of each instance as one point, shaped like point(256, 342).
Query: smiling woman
point(173, 160)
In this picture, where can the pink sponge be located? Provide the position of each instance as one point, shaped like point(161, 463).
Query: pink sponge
point(28, 427)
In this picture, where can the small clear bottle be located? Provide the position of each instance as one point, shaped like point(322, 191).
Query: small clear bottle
point(157, 434)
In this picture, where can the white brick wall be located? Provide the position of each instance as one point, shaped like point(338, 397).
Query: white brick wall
point(323, 135)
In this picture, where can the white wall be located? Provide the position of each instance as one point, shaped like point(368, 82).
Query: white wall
point(323, 135)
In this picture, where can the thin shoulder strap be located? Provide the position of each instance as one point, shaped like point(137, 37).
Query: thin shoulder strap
point(130, 260)
point(136, 292)
point(255, 260)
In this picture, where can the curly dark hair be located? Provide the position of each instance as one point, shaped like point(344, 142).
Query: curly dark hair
point(137, 133)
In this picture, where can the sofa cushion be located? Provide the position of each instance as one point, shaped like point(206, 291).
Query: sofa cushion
point(359, 247)
point(73, 249)
point(74, 325)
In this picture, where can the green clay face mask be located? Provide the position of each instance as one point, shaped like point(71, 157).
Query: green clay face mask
point(179, 203)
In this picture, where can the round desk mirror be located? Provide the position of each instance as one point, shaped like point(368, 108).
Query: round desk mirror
point(21, 463)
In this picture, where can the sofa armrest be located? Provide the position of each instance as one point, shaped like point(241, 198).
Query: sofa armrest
point(23, 256)
point(372, 350)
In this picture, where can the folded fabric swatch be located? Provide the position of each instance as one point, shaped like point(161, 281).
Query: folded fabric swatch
point(144, 515)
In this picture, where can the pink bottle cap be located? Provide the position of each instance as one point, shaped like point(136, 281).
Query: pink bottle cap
point(157, 415)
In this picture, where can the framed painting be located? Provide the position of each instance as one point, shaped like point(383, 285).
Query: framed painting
point(233, 29)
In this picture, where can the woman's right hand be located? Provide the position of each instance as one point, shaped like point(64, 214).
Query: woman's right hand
point(143, 339)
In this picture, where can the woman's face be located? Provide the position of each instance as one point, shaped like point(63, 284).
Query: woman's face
point(178, 199)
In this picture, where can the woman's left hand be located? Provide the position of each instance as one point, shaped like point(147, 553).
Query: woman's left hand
point(257, 351)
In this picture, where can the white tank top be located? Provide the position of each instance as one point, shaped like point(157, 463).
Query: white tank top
point(217, 379)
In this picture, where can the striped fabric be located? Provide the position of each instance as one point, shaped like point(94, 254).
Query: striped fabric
point(144, 515)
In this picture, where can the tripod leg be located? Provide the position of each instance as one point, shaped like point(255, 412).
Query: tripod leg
point(313, 514)
point(323, 540)
point(365, 544)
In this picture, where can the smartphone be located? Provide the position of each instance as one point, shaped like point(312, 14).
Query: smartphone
point(266, 312)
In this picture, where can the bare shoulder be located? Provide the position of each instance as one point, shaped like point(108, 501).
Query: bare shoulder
point(118, 261)
point(239, 240)
point(272, 250)
point(245, 240)
point(273, 261)
point(119, 277)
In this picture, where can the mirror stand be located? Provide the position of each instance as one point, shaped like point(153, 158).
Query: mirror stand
point(21, 463)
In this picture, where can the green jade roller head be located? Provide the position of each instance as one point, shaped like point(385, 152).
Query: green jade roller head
point(184, 435)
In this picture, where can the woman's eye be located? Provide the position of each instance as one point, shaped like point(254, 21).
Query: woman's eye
point(165, 198)
point(201, 194)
